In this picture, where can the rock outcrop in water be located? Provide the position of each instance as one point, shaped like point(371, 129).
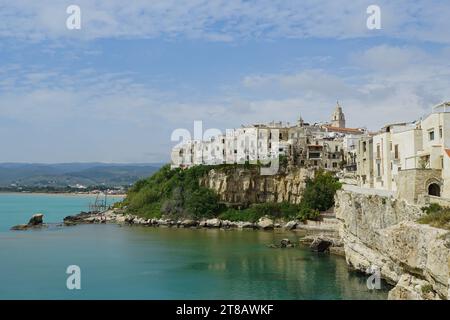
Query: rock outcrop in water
point(381, 233)
point(36, 221)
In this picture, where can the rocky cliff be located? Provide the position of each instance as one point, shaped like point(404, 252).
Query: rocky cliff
point(241, 186)
point(380, 232)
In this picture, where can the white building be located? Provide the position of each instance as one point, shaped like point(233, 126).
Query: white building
point(321, 146)
point(410, 159)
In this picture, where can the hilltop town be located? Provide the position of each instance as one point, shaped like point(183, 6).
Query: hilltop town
point(410, 161)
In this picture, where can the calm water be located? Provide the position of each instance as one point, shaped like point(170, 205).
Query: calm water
point(159, 263)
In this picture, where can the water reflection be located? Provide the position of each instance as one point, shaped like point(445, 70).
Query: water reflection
point(163, 263)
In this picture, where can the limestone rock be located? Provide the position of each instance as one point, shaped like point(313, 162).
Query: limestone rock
point(20, 227)
point(245, 225)
point(241, 186)
point(320, 245)
point(36, 219)
point(187, 223)
point(213, 223)
point(381, 231)
point(411, 288)
point(286, 243)
point(291, 225)
point(265, 223)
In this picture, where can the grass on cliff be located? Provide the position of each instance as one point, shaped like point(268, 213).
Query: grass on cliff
point(436, 216)
point(176, 193)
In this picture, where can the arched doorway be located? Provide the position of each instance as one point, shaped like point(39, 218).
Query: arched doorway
point(434, 190)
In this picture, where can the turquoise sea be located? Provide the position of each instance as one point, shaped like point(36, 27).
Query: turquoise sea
point(158, 263)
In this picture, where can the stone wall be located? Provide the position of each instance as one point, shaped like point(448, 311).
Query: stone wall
point(381, 233)
point(240, 186)
point(414, 182)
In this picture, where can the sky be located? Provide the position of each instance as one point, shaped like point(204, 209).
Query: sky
point(115, 89)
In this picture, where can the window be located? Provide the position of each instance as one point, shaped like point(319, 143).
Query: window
point(440, 132)
point(396, 154)
point(336, 148)
point(378, 152)
point(378, 170)
point(364, 146)
point(431, 135)
point(334, 164)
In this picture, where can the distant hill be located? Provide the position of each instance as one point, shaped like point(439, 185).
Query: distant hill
point(70, 174)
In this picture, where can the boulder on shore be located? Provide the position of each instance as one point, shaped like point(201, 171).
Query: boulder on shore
point(286, 243)
point(291, 225)
point(265, 224)
point(245, 225)
point(320, 245)
point(189, 223)
point(213, 223)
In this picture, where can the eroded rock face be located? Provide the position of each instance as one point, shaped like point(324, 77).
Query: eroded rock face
point(380, 232)
point(239, 186)
point(412, 288)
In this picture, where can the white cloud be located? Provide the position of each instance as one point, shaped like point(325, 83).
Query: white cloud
point(225, 20)
point(389, 83)
point(62, 109)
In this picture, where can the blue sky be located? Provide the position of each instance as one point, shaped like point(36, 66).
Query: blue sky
point(116, 89)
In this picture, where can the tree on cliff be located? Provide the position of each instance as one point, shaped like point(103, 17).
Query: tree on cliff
point(319, 192)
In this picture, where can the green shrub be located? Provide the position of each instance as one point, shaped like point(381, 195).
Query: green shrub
point(436, 216)
point(319, 192)
point(427, 288)
point(433, 207)
point(202, 202)
point(248, 214)
point(177, 193)
point(306, 213)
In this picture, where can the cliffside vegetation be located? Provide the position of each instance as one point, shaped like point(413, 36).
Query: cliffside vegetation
point(436, 216)
point(176, 193)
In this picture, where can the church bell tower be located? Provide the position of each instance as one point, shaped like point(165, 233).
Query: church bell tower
point(338, 118)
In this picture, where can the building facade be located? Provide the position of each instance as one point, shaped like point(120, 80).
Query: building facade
point(329, 146)
point(410, 159)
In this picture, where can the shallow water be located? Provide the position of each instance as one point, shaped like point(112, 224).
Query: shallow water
point(160, 263)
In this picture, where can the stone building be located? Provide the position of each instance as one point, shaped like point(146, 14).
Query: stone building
point(410, 159)
point(330, 146)
point(364, 162)
point(338, 118)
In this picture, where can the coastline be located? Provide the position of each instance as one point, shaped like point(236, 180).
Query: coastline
point(318, 239)
point(59, 193)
